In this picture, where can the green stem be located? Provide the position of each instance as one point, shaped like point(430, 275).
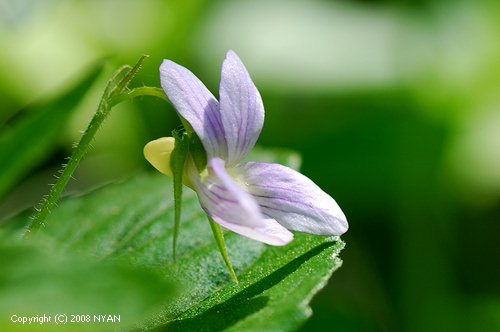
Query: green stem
point(219, 239)
point(39, 219)
point(128, 77)
point(108, 100)
point(109, 85)
point(177, 162)
point(142, 91)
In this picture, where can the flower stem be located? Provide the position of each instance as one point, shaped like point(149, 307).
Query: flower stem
point(112, 95)
point(219, 239)
point(47, 205)
point(177, 162)
point(141, 91)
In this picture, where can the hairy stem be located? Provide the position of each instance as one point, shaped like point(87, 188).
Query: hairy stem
point(137, 92)
point(112, 95)
point(82, 147)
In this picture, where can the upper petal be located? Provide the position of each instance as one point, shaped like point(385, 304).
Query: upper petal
point(196, 104)
point(241, 108)
point(293, 199)
point(232, 207)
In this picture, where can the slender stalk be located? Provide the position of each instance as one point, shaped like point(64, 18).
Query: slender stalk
point(219, 239)
point(177, 162)
point(136, 92)
point(109, 85)
point(108, 100)
point(39, 218)
point(128, 77)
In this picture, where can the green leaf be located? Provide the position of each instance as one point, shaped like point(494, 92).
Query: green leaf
point(273, 292)
point(31, 139)
point(134, 222)
point(35, 281)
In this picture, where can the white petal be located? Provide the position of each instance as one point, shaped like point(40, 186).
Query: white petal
point(233, 208)
point(196, 105)
point(241, 108)
point(293, 199)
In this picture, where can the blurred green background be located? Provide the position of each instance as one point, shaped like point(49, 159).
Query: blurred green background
point(394, 106)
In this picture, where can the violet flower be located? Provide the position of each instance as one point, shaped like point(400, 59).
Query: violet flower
point(257, 200)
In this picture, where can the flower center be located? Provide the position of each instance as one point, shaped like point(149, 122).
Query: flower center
point(238, 177)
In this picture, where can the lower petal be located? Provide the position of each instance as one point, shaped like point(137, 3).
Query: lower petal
point(271, 233)
point(228, 204)
point(292, 199)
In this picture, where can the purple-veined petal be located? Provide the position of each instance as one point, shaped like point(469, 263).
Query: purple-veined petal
point(292, 199)
point(196, 104)
point(241, 108)
point(233, 208)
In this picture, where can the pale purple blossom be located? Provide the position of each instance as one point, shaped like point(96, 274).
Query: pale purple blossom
point(257, 200)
